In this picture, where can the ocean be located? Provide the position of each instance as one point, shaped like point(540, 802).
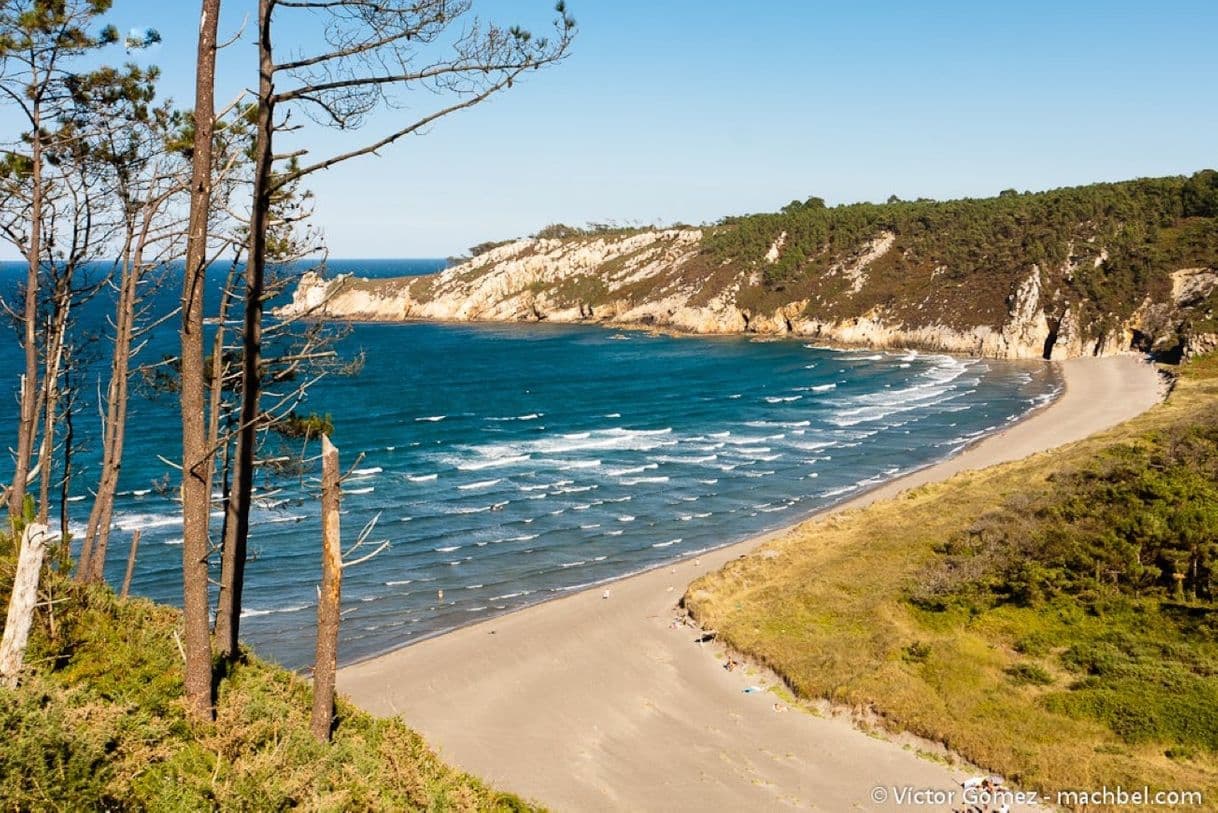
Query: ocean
point(509, 464)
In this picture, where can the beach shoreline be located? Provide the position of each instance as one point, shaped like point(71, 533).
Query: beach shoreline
point(589, 702)
point(754, 539)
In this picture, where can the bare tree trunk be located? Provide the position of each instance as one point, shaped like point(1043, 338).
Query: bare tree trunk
point(195, 494)
point(55, 338)
point(21, 604)
point(69, 438)
point(97, 532)
point(236, 526)
point(329, 602)
point(50, 399)
point(28, 424)
point(135, 546)
point(219, 374)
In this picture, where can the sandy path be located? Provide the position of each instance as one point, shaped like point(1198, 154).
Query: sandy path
point(587, 703)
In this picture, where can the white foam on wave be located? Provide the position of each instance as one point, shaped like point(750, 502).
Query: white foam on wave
point(571, 465)
point(682, 460)
point(812, 445)
point(521, 538)
point(129, 522)
point(368, 472)
point(364, 490)
point(782, 399)
point(250, 612)
point(634, 481)
point(667, 544)
point(468, 509)
point(632, 470)
point(431, 418)
point(574, 490)
point(479, 484)
point(878, 412)
point(492, 462)
point(745, 440)
point(532, 416)
point(542, 486)
point(421, 478)
point(447, 549)
point(837, 492)
point(614, 439)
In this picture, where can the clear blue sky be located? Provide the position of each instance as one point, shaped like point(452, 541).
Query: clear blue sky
point(688, 110)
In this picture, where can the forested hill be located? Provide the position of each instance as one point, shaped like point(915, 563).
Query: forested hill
point(1085, 270)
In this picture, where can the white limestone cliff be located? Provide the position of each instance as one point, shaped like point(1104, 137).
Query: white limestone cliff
point(657, 279)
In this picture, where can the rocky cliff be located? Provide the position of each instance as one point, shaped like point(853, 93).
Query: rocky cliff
point(1086, 289)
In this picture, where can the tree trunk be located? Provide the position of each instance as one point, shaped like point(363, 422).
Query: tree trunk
point(135, 546)
point(56, 337)
point(97, 532)
point(21, 603)
point(215, 413)
point(236, 526)
point(65, 482)
point(27, 426)
point(195, 495)
point(330, 599)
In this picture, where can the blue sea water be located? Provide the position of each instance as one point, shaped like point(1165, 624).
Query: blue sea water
point(509, 464)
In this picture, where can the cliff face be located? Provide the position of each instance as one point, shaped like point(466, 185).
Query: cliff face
point(884, 289)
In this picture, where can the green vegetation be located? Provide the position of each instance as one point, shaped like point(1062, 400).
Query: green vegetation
point(99, 722)
point(1052, 619)
point(1115, 241)
point(309, 427)
point(489, 245)
point(561, 231)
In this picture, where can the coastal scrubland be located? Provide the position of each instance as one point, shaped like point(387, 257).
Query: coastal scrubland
point(99, 722)
point(1052, 619)
point(1114, 242)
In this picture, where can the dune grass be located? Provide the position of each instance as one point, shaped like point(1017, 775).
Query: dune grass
point(1004, 614)
point(99, 723)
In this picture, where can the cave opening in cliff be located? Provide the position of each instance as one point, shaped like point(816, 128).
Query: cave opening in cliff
point(1051, 339)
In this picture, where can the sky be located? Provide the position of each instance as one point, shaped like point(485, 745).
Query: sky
point(690, 110)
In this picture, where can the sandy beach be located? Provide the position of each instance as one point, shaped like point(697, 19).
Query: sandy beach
point(595, 703)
